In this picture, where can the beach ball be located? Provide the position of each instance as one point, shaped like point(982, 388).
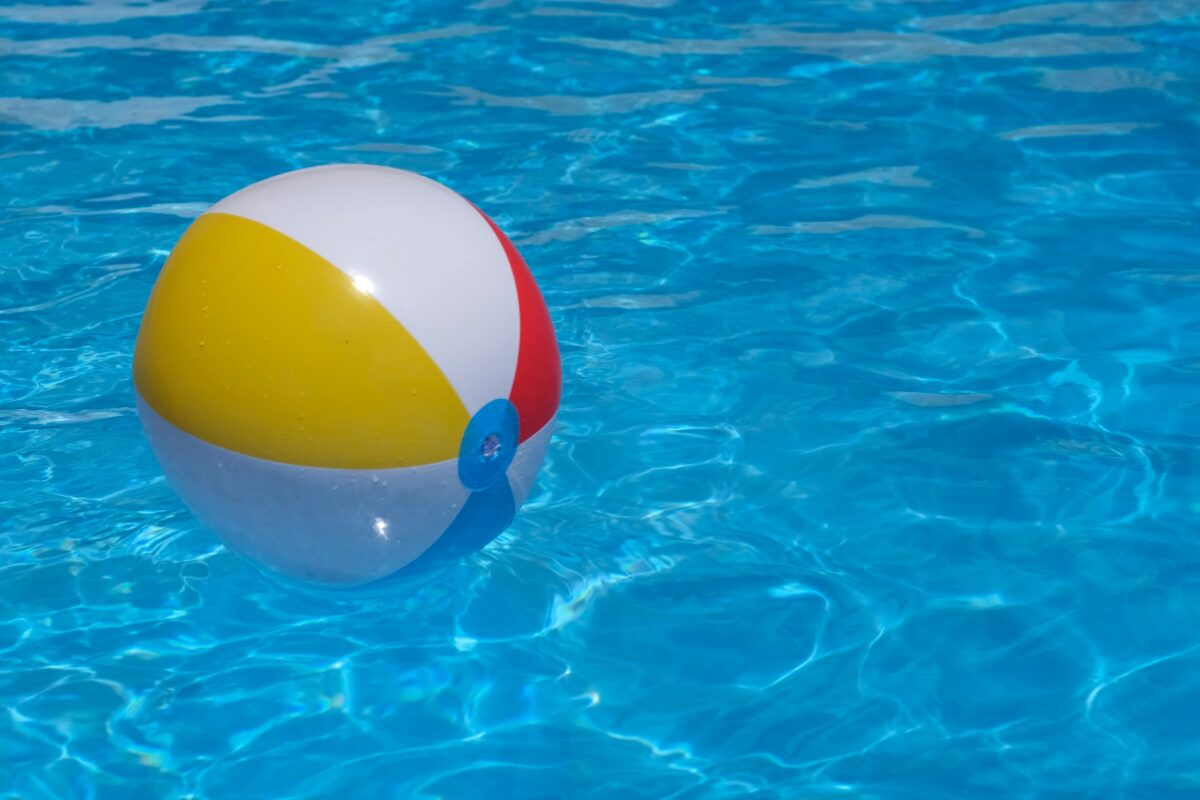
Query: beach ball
point(346, 372)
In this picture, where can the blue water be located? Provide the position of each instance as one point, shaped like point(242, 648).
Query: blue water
point(877, 473)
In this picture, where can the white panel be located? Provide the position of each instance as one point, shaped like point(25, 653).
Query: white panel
point(420, 248)
point(328, 525)
point(523, 470)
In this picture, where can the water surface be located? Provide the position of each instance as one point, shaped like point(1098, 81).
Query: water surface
point(877, 471)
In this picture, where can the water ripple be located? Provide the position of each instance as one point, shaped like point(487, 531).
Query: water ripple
point(48, 114)
point(868, 47)
point(1106, 79)
point(866, 222)
point(574, 105)
point(1077, 129)
point(1097, 15)
point(95, 12)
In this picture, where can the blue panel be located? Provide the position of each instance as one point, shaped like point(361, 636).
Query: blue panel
point(488, 445)
point(484, 517)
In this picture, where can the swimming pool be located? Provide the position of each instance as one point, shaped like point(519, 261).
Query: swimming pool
point(876, 473)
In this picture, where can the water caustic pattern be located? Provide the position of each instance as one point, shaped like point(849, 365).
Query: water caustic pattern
point(876, 470)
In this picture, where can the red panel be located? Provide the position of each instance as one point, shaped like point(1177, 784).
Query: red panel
point(537, 385)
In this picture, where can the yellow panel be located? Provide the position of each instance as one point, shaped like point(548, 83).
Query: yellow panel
point(255, 343)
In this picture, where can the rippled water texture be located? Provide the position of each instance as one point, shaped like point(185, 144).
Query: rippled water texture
point(877, 471)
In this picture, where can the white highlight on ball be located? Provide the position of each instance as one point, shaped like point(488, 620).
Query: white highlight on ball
point(364, 284)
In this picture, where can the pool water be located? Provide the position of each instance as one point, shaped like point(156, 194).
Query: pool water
point(877, 470)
